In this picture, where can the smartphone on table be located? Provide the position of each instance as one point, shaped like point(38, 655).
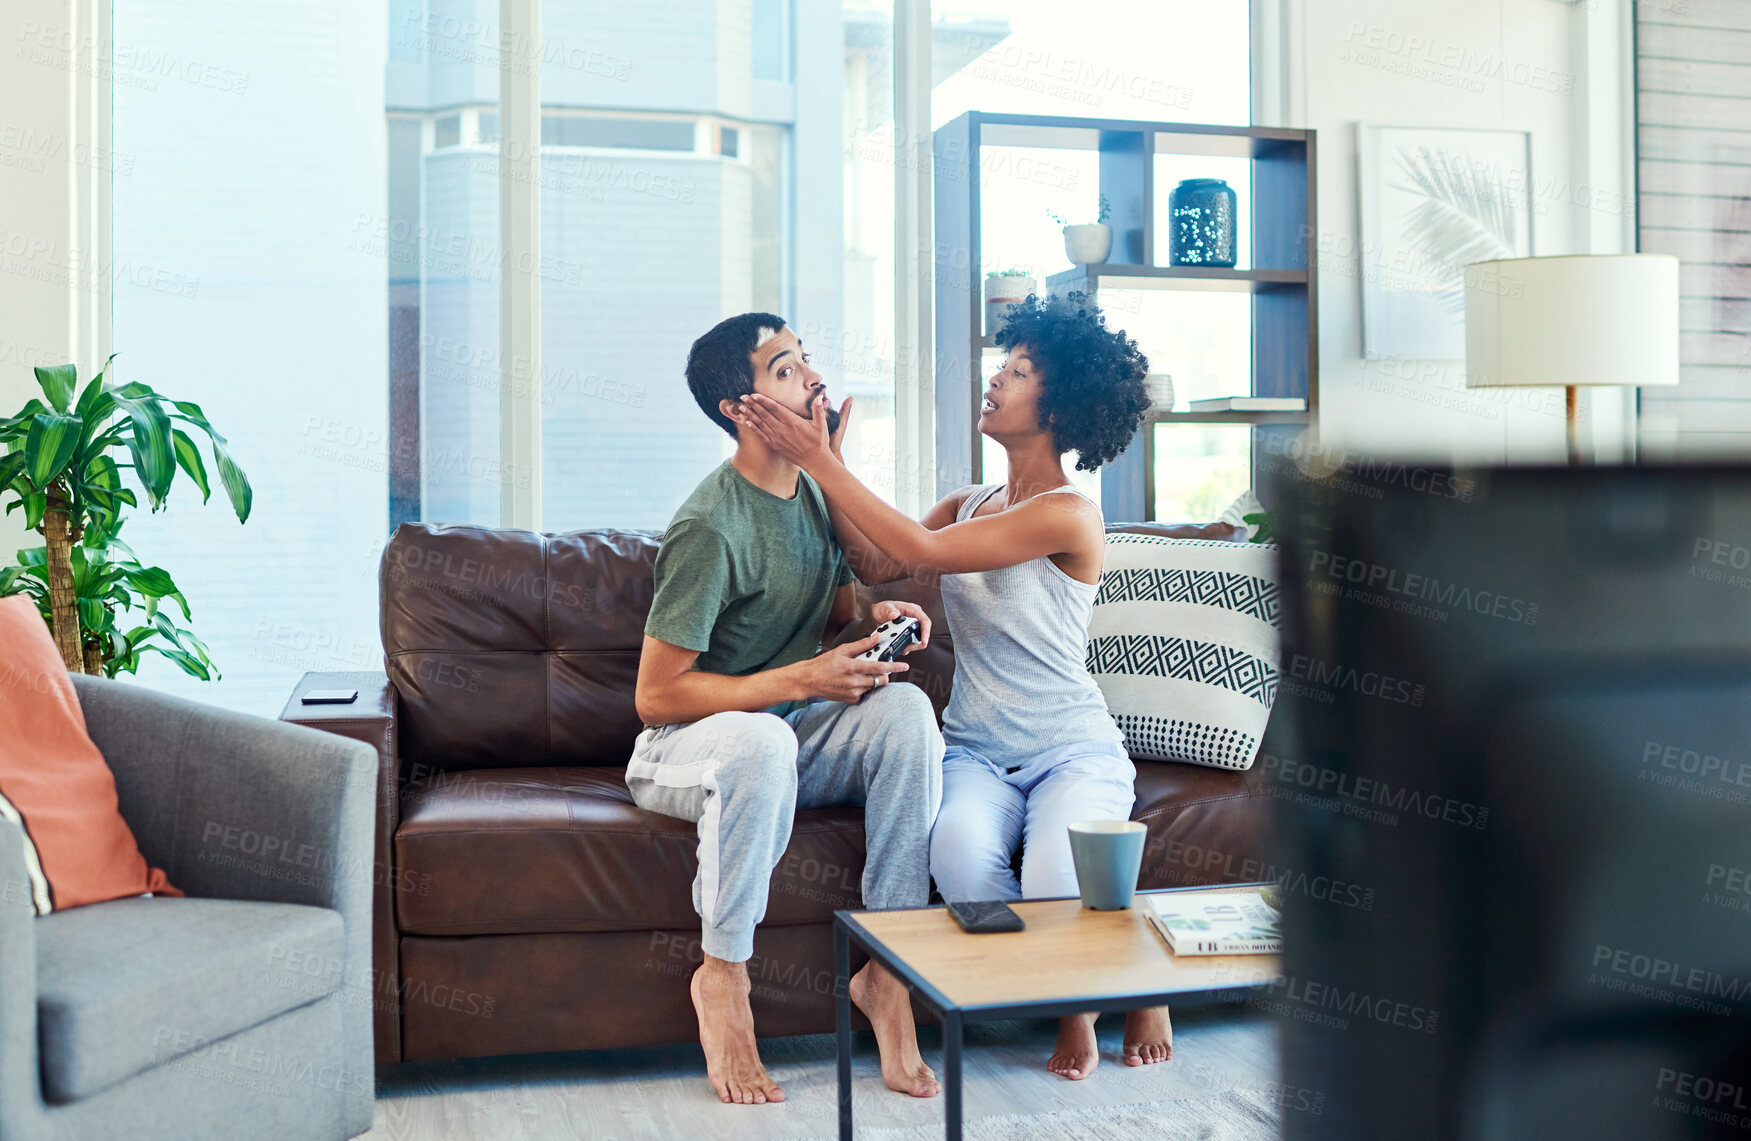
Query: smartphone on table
point(985, 917)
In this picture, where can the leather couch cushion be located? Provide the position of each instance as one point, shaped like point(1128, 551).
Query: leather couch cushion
point(510, 648)
point(518, 994)
point(554, 850)
point(1213, 532)
point(525, 850)
point(1205, 825)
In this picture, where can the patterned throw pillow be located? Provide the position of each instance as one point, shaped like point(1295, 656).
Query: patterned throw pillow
point(1183, 643)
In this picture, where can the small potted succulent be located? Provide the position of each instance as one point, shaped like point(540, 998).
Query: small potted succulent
point(1087, 243)
point(1003, 288)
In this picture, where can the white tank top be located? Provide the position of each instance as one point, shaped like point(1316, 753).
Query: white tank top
point(1020, 634)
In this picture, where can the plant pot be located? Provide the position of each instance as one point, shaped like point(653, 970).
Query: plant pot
point(1003, 292)
point(1159, 386)
point(1089, 243)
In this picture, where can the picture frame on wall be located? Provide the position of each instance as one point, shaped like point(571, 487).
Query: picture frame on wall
point(1432, 201)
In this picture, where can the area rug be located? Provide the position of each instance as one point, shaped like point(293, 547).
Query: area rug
point(1236, 1115)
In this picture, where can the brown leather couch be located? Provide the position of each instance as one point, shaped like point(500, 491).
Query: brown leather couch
point(522, 902)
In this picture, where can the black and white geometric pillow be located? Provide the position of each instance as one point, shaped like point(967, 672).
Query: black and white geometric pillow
point(1183, 643)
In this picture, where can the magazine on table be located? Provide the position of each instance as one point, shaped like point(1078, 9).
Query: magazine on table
point(1215, 922)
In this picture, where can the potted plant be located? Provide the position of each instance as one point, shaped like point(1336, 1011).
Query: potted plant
point(1003, 288)
point(1087, 243)
point(58, 467)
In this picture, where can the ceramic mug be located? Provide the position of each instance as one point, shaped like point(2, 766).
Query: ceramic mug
point(1108, 856)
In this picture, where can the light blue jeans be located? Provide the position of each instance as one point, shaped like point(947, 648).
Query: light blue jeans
point(988, 811)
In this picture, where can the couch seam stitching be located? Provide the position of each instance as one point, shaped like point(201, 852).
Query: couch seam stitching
point(1179, 809)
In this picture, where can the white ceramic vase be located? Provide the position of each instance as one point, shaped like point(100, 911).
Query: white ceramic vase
point(1089, 243)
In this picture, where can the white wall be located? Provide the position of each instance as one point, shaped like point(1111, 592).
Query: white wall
point(1556, 70)
point(37, 164)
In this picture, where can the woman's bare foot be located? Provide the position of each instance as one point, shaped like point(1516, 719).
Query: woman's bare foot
point(888, 1007)
point(1148, 1036)
point(726, 1031)
point(1076, 1054)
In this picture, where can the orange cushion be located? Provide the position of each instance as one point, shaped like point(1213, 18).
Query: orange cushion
point(53, 781)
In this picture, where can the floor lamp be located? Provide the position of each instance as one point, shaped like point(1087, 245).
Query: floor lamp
point(1599, 319)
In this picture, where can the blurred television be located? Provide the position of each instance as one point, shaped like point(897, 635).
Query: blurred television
point(1517, 706)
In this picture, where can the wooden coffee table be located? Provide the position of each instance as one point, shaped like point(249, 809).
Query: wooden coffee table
point(1067, 960)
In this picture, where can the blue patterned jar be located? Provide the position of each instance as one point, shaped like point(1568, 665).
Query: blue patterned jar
point(1200, 214)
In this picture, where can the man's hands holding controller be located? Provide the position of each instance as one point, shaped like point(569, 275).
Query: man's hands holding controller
point(838, 674)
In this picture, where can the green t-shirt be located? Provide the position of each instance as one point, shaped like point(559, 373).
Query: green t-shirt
point(746, 578)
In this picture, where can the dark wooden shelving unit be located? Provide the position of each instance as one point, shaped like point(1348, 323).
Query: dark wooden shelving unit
point(1267, 418)
point(1188, 277)
point(1282, 285)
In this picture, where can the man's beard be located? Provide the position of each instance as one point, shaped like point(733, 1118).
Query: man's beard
point(832, 419)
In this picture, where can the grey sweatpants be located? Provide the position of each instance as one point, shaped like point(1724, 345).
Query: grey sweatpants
point(742, 776)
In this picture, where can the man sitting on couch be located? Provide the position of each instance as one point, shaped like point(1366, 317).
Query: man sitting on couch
point(746, 722)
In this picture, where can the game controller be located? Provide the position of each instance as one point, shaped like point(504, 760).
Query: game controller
point(895, 636)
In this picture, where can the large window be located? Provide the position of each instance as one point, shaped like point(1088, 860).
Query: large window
point(250, 239)
point(316, 193)
point(725, 157)
point(1168, 61)
point(444, 258)
point(662, 197)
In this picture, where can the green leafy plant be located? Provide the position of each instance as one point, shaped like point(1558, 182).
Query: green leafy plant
point(1266, 524)
point(1102, 212)
point(63, 467)
point(1010, 273)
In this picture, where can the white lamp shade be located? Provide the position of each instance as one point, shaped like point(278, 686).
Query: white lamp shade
point(1597, 319)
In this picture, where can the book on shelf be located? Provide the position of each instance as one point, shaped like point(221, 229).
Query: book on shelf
point(1215, 922)
point(1249, 404)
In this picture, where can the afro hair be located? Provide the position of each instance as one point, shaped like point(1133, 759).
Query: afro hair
point(1092, 390)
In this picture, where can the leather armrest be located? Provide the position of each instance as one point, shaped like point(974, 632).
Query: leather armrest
point(1215, 532)
point(370, 719)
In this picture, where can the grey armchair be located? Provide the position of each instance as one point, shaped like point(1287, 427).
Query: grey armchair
point(241, 1011)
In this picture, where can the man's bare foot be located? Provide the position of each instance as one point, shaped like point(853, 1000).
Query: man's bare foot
point(1148, 1036)
point(888, 1007)
point(726, 1031)
point(1076, 1054)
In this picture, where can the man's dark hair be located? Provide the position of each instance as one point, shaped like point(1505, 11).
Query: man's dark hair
point(720, 365)
point(1092, 380)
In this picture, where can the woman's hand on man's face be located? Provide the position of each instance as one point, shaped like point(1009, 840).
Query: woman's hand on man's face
point(802, 442)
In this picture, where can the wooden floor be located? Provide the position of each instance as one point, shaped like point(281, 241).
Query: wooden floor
point(661, 1094)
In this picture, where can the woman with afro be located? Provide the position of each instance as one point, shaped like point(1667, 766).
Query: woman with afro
point(1031, 747)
